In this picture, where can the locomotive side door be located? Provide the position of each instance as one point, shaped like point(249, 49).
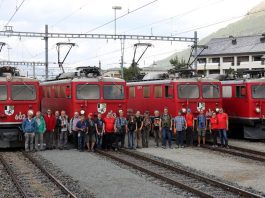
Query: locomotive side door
point(242, 106)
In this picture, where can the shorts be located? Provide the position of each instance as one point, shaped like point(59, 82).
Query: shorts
point(201, 132)
point(90, 137)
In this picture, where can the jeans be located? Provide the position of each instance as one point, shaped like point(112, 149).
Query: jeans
point(29, 141)
point(180, 137)
point(139, 138)
point(223, 136)
point(157, 135)
point(38, 138)
point(108, 140)
point(81, 140)
point(99, 140)
point(131, 137)
point(189, 136)
point(120, 137)
point(56, 137)
point(145, 136)
point(75, 139)
point(63, 138)
point(214, 134)
point(49, 140)
point(166, 134)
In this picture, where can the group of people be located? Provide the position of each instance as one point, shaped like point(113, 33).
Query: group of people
point(109, 133)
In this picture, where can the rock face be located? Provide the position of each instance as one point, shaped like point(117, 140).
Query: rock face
point(250, 24)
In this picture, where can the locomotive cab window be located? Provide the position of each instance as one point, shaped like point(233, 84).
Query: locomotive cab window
point(87, 92)
point(23, 92)
point(169, 91)
point(132, 92)
point(3, 92)
point(258, 91)
point(113, 92)
point(146, 91)
point(188, 91)
point(210, 91)
point(240, 91)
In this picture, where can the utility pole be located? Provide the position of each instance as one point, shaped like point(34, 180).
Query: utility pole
point(195, 50)
point(122, 57)
point(46, 53)
point(34, 70)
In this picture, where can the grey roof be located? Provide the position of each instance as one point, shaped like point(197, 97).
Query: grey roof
point(243, 45)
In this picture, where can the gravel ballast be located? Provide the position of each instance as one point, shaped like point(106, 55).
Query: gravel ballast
point(244, 172)
point(104, 178)
point(256, 146)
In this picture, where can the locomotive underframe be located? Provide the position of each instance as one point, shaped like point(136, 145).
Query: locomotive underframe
point(11, 136)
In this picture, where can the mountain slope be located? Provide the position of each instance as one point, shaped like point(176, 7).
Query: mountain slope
point(250, 24)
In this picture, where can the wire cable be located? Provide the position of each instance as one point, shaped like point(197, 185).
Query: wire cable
point(17, 9)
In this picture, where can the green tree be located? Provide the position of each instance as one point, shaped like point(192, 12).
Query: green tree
point(132, 73)
point(178, 63)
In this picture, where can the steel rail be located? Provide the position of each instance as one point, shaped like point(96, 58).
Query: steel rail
point(49, 175)
point(156, 175)
point(241, 152)
point(216, 183)
point(13, 177)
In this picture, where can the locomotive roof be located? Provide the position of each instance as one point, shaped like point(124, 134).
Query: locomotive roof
point(18, 79)
point(185, 80)
point(241, 81)
point(84, 79)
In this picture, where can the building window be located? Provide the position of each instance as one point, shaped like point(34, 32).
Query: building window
point(227, 91)
point(158, 91)
point(146, 91)
point(216, 60)
point(169, 91)
point(131, 92)
point(202, 60)
point(228, 59)
point(242, 59)
point(240, 91)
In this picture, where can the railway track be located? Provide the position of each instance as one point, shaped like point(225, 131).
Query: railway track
point(238, 151)
point(30, 178)
point(176, 176)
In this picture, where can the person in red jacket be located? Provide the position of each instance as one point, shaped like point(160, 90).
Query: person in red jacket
point(223, 127)
point(50, 126)
point(109, 130)
point(214, 128)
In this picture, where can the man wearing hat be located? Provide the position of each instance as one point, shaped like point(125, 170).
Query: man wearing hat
point(190, 128)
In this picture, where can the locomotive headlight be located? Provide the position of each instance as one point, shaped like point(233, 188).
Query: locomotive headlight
point(257, 110)
point(184, 110)
point(217, 109)
point(82, 112)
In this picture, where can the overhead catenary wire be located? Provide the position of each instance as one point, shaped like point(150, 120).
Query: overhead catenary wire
point(13, 15)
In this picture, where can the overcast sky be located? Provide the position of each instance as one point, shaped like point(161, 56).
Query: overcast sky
point(162, 17)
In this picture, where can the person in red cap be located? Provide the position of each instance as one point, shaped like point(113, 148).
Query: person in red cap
point(91, 133)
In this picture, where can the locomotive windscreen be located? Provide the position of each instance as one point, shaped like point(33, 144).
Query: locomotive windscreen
point(210, 91)
point(258, 91)
point(87, 92)
point(113, 92)
point(3, 92)
point(23, 92)
point(188, 91)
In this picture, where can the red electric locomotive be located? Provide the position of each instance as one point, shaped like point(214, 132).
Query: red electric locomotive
point(18, 94)
point(84, 91)
point(176, 94)
point(244, 101)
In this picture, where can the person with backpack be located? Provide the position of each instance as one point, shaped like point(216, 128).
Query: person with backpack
point(201, 127)
point(166, 128)
point(146, 130)
point(156, 127)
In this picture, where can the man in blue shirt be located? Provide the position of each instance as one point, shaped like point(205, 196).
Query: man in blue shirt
point(29, 128)
point(201, 127)
point(81, 127)
point(180, 126)
point(121, 129)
